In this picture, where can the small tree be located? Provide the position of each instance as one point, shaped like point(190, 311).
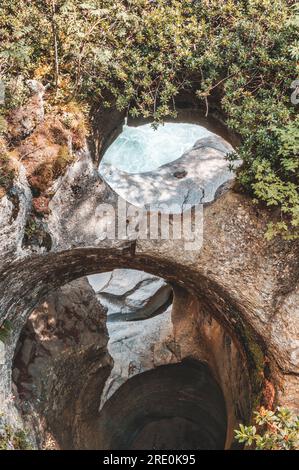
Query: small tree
point(277, 430)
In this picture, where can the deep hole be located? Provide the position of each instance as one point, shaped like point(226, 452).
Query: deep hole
point(176, 406)
point(168, 168)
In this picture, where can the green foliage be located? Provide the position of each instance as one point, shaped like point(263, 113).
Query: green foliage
point(137, 55)
point(277, 430)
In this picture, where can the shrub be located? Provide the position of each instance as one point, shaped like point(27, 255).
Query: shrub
point(277, 430)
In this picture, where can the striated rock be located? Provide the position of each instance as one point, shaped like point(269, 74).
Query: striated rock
point(75, 205)
point(14, 210)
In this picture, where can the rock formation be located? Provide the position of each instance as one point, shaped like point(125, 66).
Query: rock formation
point(63, 369)
point(235, 303)
point(138, 321)
point(173, 407)
point(60, 366)
point(191, 179)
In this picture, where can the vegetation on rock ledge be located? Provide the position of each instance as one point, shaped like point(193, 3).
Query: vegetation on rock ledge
point(138, 55)
point(5, 330)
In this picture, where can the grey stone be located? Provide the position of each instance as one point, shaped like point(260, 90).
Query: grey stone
point(192, 179)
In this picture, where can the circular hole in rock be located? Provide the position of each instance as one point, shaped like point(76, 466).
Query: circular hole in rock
point(145, 148)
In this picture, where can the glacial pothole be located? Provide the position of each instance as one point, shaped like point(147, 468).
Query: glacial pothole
point(126, 360)
point(178, 406)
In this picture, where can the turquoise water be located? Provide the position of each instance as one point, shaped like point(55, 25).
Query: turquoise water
point(141, 149)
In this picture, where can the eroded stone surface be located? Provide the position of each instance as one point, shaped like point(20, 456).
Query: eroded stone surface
point(191, 179)
point(178, 406)
point(68, 329)
point(14, 210)
point(137, 342)
point(138, 346)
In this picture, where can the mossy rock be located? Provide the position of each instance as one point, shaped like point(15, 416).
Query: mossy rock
point(5, 330)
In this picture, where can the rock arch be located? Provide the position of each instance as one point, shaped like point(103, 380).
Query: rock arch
point(247, 284)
